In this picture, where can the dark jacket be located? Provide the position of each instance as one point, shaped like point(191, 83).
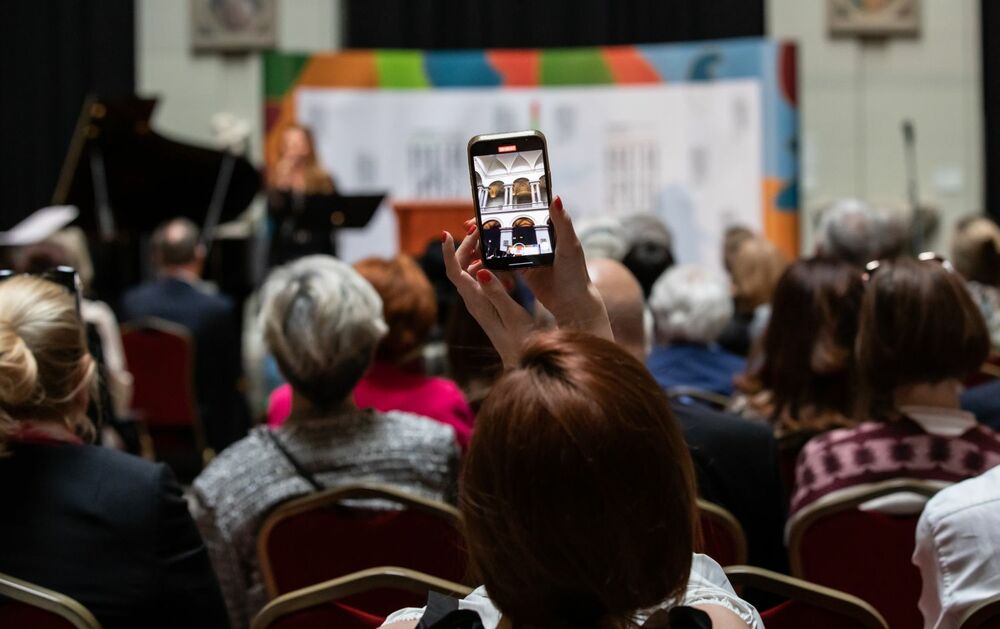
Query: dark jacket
point(109, 530)
point(735, 461)
point(213, 323)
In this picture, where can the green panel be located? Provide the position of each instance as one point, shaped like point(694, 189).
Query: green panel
point(281, 69)
point(574, 66)
point(401, 69)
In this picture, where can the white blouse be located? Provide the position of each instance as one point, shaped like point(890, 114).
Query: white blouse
point(707, 585)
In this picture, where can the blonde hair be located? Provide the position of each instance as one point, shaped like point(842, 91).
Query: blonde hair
point(44, 361)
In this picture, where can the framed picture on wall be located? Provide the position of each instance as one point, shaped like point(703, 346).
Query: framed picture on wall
point(873, 18)
point(233, 25)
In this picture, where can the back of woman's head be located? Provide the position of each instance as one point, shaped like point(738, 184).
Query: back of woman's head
point(809, 343)
point(918, 326)
point(321, 321)
point(975, 250)
point(755, 266)
point(690, 304)
point(409, 305)
point(578, 490)
point(44, 362)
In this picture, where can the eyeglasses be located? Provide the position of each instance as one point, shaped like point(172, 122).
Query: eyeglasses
point(927, 256)
point(65, 276)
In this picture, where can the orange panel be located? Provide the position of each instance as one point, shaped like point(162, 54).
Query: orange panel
point(628, 66)
point(781, 228)
point(516, 67)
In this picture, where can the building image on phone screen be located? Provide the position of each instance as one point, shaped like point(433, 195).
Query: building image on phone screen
point(512, 192)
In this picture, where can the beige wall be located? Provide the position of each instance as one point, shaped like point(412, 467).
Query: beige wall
point(193, 87)
point(854, 95)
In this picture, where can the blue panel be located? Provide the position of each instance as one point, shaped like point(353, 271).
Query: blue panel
point(460, 68)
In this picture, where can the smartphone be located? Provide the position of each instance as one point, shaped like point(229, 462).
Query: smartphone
point(511, 189)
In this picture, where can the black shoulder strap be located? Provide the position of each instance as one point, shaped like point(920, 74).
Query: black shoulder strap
point(305, 474)
point(442, 612)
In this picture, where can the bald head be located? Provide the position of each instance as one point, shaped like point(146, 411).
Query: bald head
point(175, 245)
point(624, 301)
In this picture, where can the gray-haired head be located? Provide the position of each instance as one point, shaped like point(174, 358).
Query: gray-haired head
point(857, 233)
point(322, 321)
point(602, 237)
point(690, 304)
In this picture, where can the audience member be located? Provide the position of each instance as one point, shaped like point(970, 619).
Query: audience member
point(650, 248)
point(856, 232)
point(603, 237)
point(735, 461)
point(396, 380)
point(805, 384)
point(69, 248)
point(617, 496)
point(322, 322)
point(957, 540)
point(106, 528)
point(690, 308)
point(919, 335)
point(975, 251)
point(983, 401)
point(178, 295)
point(754, 265)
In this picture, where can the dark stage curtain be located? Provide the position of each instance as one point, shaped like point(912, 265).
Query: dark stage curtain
point(52, 54)
point(545, 23)
point(990, 24)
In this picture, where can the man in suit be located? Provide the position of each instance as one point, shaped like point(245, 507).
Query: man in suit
point(178, 295)
point(735, 460)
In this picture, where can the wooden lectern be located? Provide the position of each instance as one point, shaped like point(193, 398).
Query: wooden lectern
point(421, 221)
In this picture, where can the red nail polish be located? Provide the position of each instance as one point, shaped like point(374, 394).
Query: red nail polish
point(471, 228)
point(557, 204)
point(444, 237)
point(484, 276)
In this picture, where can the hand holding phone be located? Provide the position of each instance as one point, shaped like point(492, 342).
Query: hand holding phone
point(564, 289)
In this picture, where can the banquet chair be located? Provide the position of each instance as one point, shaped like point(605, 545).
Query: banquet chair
point(986, 615)
point(841, 543)
point(333, 533)
point(806, 604)
point(24, 604)
point(160, 356)
point(323, 605)
point(722, 536)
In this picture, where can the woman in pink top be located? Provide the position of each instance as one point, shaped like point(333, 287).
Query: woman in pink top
point(396, 381)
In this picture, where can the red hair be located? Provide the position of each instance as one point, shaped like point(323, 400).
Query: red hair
point(578, 490)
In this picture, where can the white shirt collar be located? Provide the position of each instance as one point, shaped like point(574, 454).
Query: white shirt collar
point(944, 422)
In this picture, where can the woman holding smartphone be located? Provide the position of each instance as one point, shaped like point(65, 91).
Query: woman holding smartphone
point(578, 491)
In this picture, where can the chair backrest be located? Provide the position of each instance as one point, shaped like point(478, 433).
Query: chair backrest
point(24, 604)
point(986, 615)
point(862, 552)
point(337, 532)
point(806, 604)
point(160, 356)
point(722, 536)
point(329, 604)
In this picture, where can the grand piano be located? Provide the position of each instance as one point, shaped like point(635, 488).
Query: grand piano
point(126, 179)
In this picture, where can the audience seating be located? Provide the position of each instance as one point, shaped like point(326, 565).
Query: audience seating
point(986, 615)
point(722, 536)
point(23, 604)
point(160, 356)
point(337, 532)
point(692, 395)
point(866, 553)
point(320, 606)
point(806, 604)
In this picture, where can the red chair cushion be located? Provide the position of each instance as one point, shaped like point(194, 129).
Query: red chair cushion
point(329, 615)
point(333, 541)
point(867, 554)
point(161, 365)
point(796, 614)
point(719, 543)
point(17, 614)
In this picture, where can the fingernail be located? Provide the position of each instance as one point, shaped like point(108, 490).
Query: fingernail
point(444, 237)
point(471, 228)
point(557, 204)
point(484, 276)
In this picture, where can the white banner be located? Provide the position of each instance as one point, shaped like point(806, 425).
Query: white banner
point(690, 153)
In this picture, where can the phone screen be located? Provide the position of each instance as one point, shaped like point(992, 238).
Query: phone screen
point(511, 187)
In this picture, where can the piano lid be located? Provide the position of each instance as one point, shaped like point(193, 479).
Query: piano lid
point(150, 178)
